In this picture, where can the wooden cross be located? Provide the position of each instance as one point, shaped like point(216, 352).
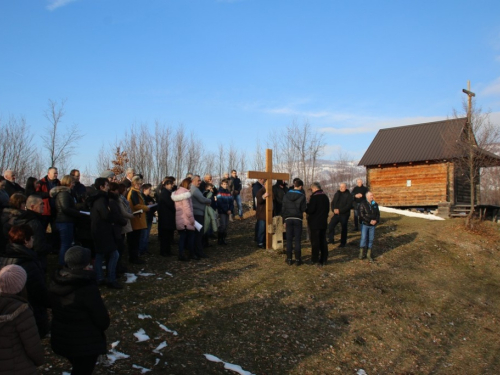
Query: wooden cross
point(269, 175)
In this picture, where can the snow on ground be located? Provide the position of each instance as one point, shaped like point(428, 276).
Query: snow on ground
point(131, 278)
point(141, 335)
point(228, 366)
point(143, 369)
point(409, 213)
point(160, 347)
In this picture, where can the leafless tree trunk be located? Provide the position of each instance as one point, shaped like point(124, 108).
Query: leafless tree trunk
point(259, 162)
point(17, 152)
point(479, 134)
point(309, 146)
point(59, 144)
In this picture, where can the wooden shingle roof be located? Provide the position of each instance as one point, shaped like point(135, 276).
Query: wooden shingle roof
point(413, 143)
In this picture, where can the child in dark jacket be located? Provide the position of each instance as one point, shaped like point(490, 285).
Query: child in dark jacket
point(225, 206)
point(80, 317)
point(20, 251)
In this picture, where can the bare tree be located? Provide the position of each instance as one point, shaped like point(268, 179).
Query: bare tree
point(309, 146)
point(16, 149)
point(479, 134)
point(259, 162)
point(344, 169)
point(60, 143)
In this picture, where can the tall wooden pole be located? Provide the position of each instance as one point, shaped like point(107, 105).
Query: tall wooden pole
point(269, 200)
point(472, 161)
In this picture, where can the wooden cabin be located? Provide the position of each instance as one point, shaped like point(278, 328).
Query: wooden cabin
point(416, 165)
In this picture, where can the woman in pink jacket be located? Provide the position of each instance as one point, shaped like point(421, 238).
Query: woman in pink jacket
point(184, 218)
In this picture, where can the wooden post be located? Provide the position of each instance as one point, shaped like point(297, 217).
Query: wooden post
point(276, 230)
point(269, 176)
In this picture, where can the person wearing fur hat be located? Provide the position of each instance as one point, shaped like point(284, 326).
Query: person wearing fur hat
point(20, 347)
point(79, 316)
point(66, 214)
point(20, 252)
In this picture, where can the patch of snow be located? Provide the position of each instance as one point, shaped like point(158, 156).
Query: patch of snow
point(409, 213)
point(144, 316)
point(228, 366)
point(169, 274)
point(140, 273)
point(143, 369)
point(131, 278)
point(157, 360)
point(114, 355)
point(361, 372)
point(141, 335)
point(161, 346)
point(166, 329)
point(212, 358)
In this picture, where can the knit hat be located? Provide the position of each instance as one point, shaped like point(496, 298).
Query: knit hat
point(77, 257)
point(107, 174)
point(12, 279)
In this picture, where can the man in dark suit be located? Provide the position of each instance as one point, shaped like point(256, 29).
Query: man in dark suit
point(317, 219)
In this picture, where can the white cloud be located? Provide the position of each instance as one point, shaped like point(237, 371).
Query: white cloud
point(372, 125)
point(493, 88)
point(54, 4)
point(331, 150)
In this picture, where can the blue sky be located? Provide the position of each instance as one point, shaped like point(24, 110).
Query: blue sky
point(232, 70)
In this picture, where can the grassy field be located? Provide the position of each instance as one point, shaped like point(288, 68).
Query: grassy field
point(430, 304)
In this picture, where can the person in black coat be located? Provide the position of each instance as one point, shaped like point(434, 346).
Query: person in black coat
point(102, 220)
point(317, 220)
point(33, 217)
point(294, 206)
point(12, 186)
point(256, 186)
point(341, 207)
point(20, 252)
point(79, 316)
point(279, 192)
point(31, 184)
point(235, 189)
point(79, 191)
point(358, 196)
point(166, 218)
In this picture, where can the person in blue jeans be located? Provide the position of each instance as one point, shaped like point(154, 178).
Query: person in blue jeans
point(370, 216)
point(235, 188)
point(66, 214)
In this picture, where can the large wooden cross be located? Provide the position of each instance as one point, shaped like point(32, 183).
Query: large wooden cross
point(269, 175)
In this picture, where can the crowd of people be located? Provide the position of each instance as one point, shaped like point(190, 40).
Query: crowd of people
point(109, 222)
point(290, 203)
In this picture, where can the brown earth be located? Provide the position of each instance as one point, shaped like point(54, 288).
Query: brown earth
point(430, 304)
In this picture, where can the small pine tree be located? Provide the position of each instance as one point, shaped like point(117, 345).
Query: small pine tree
point(119, 162)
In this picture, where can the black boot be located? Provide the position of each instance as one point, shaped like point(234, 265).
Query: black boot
point(289, 261)
point(219, 238)
point(224, 235)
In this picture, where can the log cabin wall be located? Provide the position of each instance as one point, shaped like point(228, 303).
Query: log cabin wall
point(429, 184)
point(462, 187)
